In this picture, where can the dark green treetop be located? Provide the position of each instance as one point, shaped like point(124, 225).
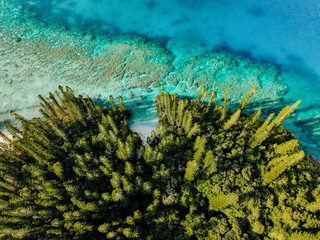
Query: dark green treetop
point(73, 174)
point(206, 173)
point(244, 178)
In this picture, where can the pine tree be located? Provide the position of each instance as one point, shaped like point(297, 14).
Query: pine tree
point(207, 172)
point(56, 155)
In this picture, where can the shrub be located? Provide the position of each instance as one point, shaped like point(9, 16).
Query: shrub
point(206, 173)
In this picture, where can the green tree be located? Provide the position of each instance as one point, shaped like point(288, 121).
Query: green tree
point(207, 172)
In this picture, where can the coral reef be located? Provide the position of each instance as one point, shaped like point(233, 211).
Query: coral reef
point(207, 172)
point(121, 65)
point(132, 64)
point(51, 55)
point(220, 69)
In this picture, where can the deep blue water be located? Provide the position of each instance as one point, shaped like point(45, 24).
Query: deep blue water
point(285, 33)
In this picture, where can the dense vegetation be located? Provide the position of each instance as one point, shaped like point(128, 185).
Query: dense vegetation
point(206, 173)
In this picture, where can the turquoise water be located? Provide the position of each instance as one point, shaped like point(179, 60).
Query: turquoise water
point(130, 48)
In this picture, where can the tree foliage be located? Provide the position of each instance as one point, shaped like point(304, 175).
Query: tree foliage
point(207, 172)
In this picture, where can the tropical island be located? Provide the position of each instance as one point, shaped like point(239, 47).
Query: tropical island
point(206, 172)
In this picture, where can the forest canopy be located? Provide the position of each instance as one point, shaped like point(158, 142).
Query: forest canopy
point(206, 172)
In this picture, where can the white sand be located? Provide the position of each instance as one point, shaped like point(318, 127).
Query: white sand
point(7, 134)
point(144, 128)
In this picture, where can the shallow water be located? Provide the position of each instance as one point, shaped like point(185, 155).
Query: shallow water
point(80, 43)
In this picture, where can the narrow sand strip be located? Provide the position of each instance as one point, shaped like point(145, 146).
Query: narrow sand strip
point(144, 128)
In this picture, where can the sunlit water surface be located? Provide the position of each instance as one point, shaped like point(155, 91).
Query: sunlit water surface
point(70, 42)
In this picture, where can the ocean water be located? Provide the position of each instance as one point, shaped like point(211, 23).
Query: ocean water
point(131, 48)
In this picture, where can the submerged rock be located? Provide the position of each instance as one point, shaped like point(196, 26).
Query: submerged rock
point(220, 69)
point(52, 55)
